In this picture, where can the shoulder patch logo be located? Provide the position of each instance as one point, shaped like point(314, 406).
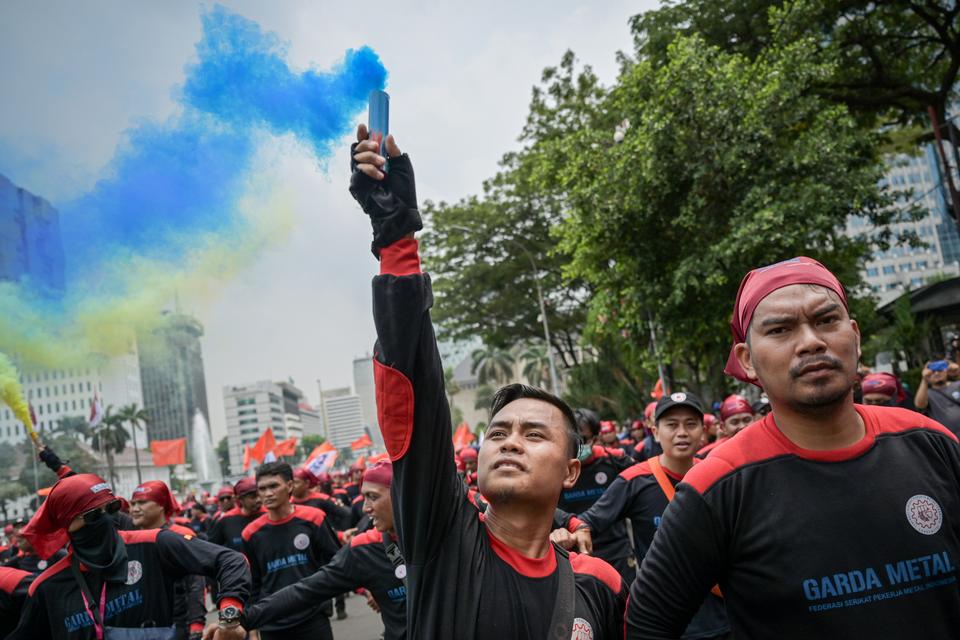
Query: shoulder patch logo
point(600, 478)
point(924, 514)
point(134, 572)
point(678, 397)
point(42, 565)
point(301, 541)
point(400, 572)
point(581, 630)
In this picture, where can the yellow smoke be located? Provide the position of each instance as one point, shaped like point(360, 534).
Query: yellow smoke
point(12, 393)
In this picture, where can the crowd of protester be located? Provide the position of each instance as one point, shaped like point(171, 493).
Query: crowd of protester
point(820, 501)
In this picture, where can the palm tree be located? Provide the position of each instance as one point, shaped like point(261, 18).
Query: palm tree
point(10, 490)
point(536, 363)
point(484, 397)
point(135, 416)
point(76, 426)
point(492, 364)
point(109, 438)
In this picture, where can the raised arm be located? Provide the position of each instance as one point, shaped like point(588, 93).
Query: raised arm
point(411, 401)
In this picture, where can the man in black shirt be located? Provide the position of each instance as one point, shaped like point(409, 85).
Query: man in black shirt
point(14, 584)
point(469, 576)
point(937, 396)
point(826, 519)
point(371, 561)
point(228, 528)
point(130, 574)
point(285, 545)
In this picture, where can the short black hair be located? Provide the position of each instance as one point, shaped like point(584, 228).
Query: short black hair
point(516, 391)
point(589, 419)
point(281, 469)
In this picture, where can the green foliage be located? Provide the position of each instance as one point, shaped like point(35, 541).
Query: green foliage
point(492, 364)
point(8, 457)
point(536, 364)
point(110, 438)
point(10, 491)
point(67, 448)
point(223, 456)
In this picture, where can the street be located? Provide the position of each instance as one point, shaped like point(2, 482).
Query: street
point(362, 623)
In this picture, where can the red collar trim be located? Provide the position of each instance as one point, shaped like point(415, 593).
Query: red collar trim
point(529, 567)
point(282, 520)
point(855, 450)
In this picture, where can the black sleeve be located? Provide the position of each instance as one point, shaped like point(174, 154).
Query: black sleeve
point(196, 604)
point(34, 622)
point(411, 401)
point(185, 557)
point(325, 544)
point(609, 507)
point(338, 576)
point(256, 579)
point(680, 568)
point(340, 517)
point(216, 533)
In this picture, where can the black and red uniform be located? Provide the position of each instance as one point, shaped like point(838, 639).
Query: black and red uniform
point(228, 529)
point(156, 559)
point(352, 489)
point(33, 563)
point(858, 542)
point(364, 563)
point(282, 552)
point(189, 605)
point(597, 473)
point(14, 585)
point(635, 494)
point(461, 581)
point(339, 516)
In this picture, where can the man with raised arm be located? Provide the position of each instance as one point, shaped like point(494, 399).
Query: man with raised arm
point(825, 519)
point(469, 576)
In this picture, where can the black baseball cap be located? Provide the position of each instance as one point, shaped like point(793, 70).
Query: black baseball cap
point(679, 399)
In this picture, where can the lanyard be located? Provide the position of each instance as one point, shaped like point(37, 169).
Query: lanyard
point(97, 620)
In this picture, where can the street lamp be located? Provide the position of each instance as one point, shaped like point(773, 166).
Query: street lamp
point(554, 387)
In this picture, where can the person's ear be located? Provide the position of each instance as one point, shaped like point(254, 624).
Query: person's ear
point(741, 351)
point(573, 473)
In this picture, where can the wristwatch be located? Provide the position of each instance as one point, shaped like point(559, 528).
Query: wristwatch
point(229, 616)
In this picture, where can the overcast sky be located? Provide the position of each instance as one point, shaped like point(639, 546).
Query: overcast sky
point(75, 75)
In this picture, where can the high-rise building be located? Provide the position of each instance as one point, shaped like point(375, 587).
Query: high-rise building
point(310, 419)
point(30, 241)
point(343, 415)
point(171, 371)
point(367, 392)
point(901, 268)
point(253, 408)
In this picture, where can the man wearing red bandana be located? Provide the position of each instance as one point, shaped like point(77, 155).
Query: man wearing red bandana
point(119, 579)
point(735, 414)
point(882, 389)
point(825, 519)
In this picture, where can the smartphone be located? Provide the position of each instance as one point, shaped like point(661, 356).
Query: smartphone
point(378, 120)
point(938, 365)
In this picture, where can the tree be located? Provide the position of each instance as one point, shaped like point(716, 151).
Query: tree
point(727, 163)
point(8, 456)
point(110, 438)
point(10, 490)
point(536, 364)
point(492, 364)
point(134, 416)
point(484, 397)
point(74, 425)
point(309, 442)
point(68, 449)
point(223, 456)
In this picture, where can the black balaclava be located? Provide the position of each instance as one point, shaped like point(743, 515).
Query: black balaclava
point(98, 546)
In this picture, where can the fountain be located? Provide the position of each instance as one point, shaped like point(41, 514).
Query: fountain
point(203, 457)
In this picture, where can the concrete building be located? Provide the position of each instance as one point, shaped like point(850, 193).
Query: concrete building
point(366, 391)
point(342, 413)
point(30, 241)
point(68, 392)
point(252, 408)
point(899, 269)
point(171, 370)
point(310, 419)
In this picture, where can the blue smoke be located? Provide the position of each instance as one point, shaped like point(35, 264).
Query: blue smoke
point(170, 183)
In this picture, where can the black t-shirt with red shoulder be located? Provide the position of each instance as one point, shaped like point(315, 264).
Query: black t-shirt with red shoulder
point(339, 517)
point(14, 584)
point(228, 528)
point(282, 552)
point(859, 542)
point(156, 559)
point(461, 582)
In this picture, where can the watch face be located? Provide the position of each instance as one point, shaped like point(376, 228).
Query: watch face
point(229, 613)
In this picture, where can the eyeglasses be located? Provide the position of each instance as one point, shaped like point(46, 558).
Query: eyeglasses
point(91, 516)
point(222, 498)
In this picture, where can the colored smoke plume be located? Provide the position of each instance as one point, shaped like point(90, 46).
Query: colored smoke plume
point(11, 393)
point(184, 204)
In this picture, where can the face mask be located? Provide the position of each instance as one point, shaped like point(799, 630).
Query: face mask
point(585, 452)
point(98, 545)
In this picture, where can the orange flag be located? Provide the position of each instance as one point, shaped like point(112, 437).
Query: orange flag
point(361, 442)
point(377, 458)
point(657, 392)
point(169, 452)
point(287, 447)
point(462, 436)
point(246, 457)
point(264, 445)
point(322, 448)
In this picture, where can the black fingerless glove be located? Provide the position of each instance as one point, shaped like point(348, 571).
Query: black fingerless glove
point(49, 458)
point(391, 203)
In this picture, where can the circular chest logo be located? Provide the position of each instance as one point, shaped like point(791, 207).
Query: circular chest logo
point(924, 514)
point(400, 572)
point(42, 565)
point(134, 572)
point(600, 478)
point(581, 630)
point(302, 541)
point(678, 397)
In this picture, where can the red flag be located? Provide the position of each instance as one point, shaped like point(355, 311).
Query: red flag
point(169, 452)
point(319, 449)
point(657, 392)
point(264, 445)
point(462, 436)
point(287, 447)
point(377, 458)
point(33, 416)
point(362, 442)
point(246, 457)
